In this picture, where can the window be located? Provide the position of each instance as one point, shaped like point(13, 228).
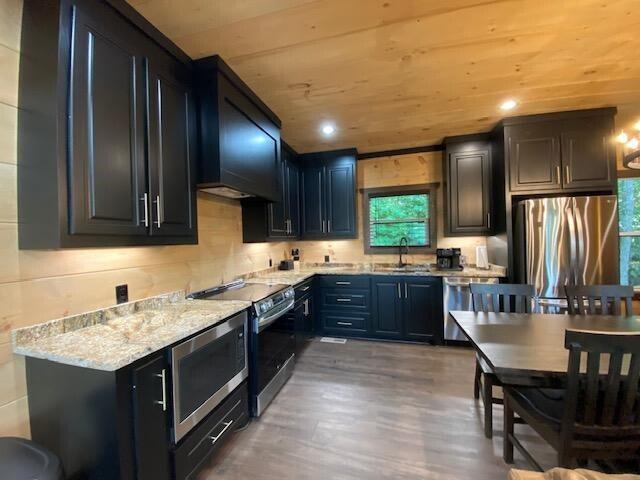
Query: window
point(629, 219)
point(396, 212)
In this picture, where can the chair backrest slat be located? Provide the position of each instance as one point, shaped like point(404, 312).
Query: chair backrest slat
point(496, 297)
point(611, 390)
point(592, 389)
point(599, 299)
point(630, 391)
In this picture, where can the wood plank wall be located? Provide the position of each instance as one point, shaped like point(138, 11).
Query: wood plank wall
point(36, 286)
point(386, 172)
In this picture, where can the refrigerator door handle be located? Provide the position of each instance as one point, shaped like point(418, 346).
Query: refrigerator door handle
point(580, 249)
point(573, 256)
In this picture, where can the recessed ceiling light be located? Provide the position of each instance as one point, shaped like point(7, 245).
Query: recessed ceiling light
point(622, 138)
point(328, 129)
point(508, 104)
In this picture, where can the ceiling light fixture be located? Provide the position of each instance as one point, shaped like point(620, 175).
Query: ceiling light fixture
point(328, 129)
point(631, 150)
point(508, 104)
point(622, 137)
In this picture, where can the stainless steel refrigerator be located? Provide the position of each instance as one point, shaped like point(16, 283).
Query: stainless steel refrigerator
point(567, 240)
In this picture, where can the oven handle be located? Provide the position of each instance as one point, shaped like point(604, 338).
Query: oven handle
point(264, 322)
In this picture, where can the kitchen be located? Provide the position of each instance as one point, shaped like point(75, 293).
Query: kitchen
point(158, 223)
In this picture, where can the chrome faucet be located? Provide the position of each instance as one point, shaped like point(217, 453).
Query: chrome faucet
point(403, 242)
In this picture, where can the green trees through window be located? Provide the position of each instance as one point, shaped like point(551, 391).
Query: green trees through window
point(397, 216)
point(629, 219)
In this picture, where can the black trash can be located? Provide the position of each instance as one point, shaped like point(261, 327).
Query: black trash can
point(22, 459)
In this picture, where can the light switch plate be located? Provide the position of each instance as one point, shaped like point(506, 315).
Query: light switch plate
point(122, 293)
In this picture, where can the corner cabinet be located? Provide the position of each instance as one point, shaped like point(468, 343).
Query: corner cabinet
point(468, 197)
point(113, 114)
point(561, 152)
point(264, 221)
point(328, 195)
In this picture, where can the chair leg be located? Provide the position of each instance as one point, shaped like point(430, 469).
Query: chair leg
point(488, 405)
point(507, 445)
point(476, 381)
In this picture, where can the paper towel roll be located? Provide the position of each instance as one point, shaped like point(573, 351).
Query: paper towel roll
point(482, 258)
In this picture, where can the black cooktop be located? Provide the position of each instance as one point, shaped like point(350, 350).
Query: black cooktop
point(251, 292)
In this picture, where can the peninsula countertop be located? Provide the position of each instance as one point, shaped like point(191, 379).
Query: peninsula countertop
point(112, 338)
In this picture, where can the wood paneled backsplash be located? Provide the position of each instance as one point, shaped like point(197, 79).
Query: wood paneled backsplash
point(385, 172)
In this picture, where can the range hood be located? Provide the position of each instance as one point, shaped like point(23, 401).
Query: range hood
point(239, 136)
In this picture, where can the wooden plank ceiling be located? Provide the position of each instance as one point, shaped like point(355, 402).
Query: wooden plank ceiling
point(402, 73)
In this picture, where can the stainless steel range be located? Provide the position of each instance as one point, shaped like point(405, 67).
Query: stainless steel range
point(272, 338)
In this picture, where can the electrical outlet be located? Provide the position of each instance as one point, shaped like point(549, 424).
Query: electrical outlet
point(122, 293)
point(270, 263)
point(326, 259)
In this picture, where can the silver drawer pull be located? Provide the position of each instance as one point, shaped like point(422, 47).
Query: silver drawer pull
point(343, 283)
point(162, 375)
point(346, 324)
point(343, 299)
point(145, 199)
point(214, 439)
point(304, 289)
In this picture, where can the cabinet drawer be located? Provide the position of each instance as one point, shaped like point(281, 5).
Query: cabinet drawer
point(344, 281)
point(303, 288)
point(345, 322)
point(345, 298)
point(207, 438)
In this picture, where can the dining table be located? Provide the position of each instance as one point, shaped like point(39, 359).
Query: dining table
point(528, 349)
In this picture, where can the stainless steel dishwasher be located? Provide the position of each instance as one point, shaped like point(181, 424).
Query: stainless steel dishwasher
point(457, 296)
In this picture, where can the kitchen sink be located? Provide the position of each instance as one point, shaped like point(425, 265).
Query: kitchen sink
point(405, 269)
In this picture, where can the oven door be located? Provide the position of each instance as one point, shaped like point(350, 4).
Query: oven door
point(207, 368)
point(276, 346)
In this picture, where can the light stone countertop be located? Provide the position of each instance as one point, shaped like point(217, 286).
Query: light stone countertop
point(293, 277)
point(116, 337)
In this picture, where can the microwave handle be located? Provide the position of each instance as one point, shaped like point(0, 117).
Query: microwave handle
point(163, 376)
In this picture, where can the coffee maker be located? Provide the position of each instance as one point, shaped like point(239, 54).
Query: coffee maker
point(448, 259)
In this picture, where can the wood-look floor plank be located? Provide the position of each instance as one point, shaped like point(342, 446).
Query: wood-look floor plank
point(373, 410)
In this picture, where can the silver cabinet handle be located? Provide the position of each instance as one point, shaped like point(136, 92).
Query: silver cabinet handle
point(163, 375)
point(346, 324)
point(145, 199)
point(488, 220)
point(399, 294)
point(158, 211)
point(343, 283)
point(323, 222)
point(558, 175)
point(406, 291)
point(567, 174)
point(343, 299)
point(329, 226)
point(215, 438)
point(304, 289)
point(306, 307)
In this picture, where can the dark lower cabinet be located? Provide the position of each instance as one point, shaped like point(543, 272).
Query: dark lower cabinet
point(151, 418)
point(387, 307)
point(115, 119)
point(303, 314)
point(405, 308)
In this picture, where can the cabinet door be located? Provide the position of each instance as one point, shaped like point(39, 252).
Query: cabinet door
point(340, 188)
point(588, 154)
point(171, 150)
point(313, 198)
point(533, 152)
point(106, 125)
point(277, 211)
point(151, 419)
point(293, 198)
point(469, 192)
point(387, 307)
point(423, 317)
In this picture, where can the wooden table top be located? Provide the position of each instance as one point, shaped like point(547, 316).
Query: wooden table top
point(528, 349)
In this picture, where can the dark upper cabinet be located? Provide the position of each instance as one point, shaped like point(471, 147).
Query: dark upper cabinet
point(151, 418)
point(171, 150)
point(468, 197)
point(423, 309)
point(264, 221)
point(239, 137)
point(329, 194)
point(114, 116)
point(387, 307)
point(567, 151)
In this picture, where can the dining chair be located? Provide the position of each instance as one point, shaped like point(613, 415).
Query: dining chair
point(599, 299)
point(597, 415)
point(508, 298)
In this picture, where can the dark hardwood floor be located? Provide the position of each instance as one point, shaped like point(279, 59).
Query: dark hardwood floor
point(374, 410)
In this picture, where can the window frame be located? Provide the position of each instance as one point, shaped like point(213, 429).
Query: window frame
point(426, 188)
point(627, 175)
